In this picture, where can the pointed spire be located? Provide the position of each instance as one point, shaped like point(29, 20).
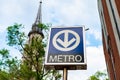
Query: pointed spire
point(39, 14)
point(35, 28)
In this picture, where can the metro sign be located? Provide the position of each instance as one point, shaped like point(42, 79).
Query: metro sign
point(66, 47)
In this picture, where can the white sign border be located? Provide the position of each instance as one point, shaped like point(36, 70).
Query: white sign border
point(84, 42)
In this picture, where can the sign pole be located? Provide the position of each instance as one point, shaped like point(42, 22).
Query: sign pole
point(65, 74)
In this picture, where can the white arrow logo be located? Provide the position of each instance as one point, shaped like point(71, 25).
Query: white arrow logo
point(66, 43)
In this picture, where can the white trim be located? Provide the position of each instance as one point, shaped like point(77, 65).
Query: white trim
point(103, 24)
point(116, 13)
point(113, 22)
point(118, 23)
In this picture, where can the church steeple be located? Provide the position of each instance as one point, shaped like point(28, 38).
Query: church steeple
point(35, 28)
point(39, 15)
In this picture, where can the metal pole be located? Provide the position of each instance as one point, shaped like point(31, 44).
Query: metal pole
point(65, 74)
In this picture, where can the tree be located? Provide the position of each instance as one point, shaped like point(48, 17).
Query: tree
point(33, 53)
point(8, 65)
point(99, 76)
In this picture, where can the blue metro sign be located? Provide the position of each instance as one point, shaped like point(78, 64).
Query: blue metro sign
point(66, 46)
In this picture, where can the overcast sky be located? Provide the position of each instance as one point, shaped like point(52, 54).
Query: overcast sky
point(58, 13)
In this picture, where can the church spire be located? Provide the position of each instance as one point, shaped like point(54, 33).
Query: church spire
point(35, 27)
point(39, 15)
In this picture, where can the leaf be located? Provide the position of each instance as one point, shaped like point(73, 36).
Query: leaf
point(4, 53)
point(14, 35)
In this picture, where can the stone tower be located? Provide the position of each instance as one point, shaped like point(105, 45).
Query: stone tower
point(33, 54)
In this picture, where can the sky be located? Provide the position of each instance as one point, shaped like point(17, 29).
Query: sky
point(58, 13)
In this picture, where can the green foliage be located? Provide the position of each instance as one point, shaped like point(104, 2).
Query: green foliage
point(8, 65)
point(34, 52)
point(31, 66)
point(44, 26)
point(25, 72)
point(4, 53)
point(93, 78)
point(14, 36)
point(56, 74)
point(4, 75)
point(99, 75)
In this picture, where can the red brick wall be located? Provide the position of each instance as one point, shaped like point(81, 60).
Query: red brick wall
point(113, 45)
point(108, 59)
point(118, 5)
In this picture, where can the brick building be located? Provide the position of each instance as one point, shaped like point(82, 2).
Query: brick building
point(109, 12)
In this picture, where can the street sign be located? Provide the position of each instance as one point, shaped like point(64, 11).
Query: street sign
point(66, 47)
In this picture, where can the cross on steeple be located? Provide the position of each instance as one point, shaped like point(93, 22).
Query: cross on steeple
point(35, 28)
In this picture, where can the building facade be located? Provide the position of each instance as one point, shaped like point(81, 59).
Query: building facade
point(109, 12)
